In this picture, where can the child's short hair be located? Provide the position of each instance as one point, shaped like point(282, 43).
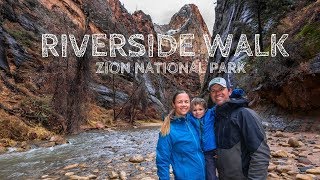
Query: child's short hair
point(198, 101)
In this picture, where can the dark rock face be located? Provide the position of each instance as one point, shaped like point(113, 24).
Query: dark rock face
point(291, 83)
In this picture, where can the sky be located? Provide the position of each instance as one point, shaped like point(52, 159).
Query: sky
point(162, 11)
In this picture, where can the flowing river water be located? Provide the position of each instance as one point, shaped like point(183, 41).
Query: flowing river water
point(96, 152)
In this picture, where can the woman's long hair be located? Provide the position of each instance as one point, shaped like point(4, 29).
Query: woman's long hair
point(165, 128)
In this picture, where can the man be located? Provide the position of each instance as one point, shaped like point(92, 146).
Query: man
point(242, 151)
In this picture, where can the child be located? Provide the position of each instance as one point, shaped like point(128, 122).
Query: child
point(205, 124)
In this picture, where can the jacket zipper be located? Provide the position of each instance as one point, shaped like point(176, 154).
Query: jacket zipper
point(195, 141)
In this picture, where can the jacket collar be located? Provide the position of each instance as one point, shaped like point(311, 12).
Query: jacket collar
point(231, 105)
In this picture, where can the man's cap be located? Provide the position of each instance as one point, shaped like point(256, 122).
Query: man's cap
point(218, 80)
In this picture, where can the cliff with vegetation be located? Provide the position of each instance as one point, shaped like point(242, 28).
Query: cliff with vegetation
point(63, 95)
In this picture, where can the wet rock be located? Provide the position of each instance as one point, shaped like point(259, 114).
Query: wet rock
point(305, 168)
point(304, 154)
point(271, 167)
point(279, 134)
point(314, 170)
point(2, 149)
point(44, 176)
point(273, 175)
point(140, 168)
point(76, 177)
point(147, 178)
point(83, 165)
point(154, 169)
point(284, 144)
point(315, 150)
point(151, 155)
point(280, 154)
point(113, 175)
point(58, 140)
point(71, 166)
point(96, 171)
point(283, 169)
point(123, 175)
point(48, 144)
point(293, 142)
point(304, 160)
point(136, 158)
point(21, 150)
point(303, 177)
point(100, 125)
point(69, 174)
point(92, 176)
point(292, 172)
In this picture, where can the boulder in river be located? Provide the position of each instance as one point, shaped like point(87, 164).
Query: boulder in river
point(123, 175)
point(279, 134)
point(113, 175)
point(314, 170)
point(2, 149)
point(283, 169)
point(303, 177)
point(304, 160)
point(280, 154)
point(58, 140)
point(71, 166)
point(136, 158)
point(293, 142)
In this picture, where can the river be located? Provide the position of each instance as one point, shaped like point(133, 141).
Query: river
point(96, 152)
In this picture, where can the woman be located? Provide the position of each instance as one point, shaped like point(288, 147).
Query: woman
point(179, 144)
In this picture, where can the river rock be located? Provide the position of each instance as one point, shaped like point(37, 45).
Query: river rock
point(136, 158)
point(48, 144)
point(140, 168)
point(304, 154)
point(96, 171)
point(315, 150)
point(44, 176)
point(58, 140)
point(151, 155)
point(83, 165)
point(314, 170)
point(292, 172)
point(154, 169)
point(100, 125)
point(92, 176)
point(283, 169)
point(293, 142)
point(317, 146)
point(2, 149)
point(123, 175)
point(76, 177)
point(113, 175)
point(69, 174)
point(279, 134)
point(273, 175)
point(71, 166)
point(280, 154)
point(304, 160)
point(271, 167)
point(303, 177)
point(25, 145)
point(147, 178)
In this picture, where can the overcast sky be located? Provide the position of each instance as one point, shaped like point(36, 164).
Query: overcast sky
point(161, 11)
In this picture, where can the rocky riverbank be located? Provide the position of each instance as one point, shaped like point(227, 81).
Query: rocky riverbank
point(130, 154)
